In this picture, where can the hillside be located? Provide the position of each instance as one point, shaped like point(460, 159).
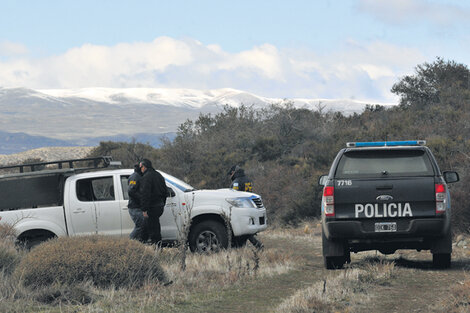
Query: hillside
point(46, 154)
point(81, 117)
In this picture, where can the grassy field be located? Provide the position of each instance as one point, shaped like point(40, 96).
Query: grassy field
point(287, 276)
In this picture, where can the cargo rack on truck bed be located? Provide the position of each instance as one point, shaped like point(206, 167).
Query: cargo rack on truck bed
point(92, 163)
point(42, 185)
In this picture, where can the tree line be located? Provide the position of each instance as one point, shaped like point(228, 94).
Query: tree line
point(284, 149)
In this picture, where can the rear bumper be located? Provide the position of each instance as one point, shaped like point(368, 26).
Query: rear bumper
point(434, 227)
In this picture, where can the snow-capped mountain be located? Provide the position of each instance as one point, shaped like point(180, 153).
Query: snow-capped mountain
point(76, 115)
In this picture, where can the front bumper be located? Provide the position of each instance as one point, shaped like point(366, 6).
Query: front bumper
point(248, 221)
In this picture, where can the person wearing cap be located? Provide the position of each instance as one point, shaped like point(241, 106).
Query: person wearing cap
point(153, 198)
point(240, 182)
point(135, 209)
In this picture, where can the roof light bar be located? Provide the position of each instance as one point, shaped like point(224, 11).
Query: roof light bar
point(386, 143)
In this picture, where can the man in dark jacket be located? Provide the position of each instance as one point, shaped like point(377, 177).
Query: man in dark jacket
point(134, 205)
point(153, 198)
point(241, 182)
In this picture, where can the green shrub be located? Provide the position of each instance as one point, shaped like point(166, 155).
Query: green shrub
point(103, 261)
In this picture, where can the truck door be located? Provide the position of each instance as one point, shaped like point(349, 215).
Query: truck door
point(170, 215)
point(108, 210)
point(126, 221)
point(82, 209)
point(167, 220)
point(97, 210)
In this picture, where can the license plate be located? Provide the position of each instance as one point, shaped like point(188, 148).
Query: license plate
point(385, 227)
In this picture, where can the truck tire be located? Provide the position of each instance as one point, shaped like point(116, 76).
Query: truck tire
point(441, 251)
point(208, 236)
point(335, 253)
point(29, 243)
point(441, 260)
point(333, 262)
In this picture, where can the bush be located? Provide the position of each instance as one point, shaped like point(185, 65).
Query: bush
point(9, 256)
point(103, 261)
point(7, 232)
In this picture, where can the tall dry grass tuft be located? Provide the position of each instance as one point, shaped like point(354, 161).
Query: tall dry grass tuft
point(217, 270)
point(7, 232)
point(337, 293)
point(10, 255)
point(104, 261)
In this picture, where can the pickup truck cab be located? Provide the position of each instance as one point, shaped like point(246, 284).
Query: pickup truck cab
point(65, 202)
point(386, 196)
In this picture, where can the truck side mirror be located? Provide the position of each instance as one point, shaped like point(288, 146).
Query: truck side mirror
point(451, 177)
point(322, 180)
point(171, 192)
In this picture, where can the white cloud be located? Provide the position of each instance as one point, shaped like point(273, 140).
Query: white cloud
point(360, 71)
point(413, 11)
point(9, 49)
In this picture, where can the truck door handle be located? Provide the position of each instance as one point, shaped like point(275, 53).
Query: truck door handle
point(79, 210)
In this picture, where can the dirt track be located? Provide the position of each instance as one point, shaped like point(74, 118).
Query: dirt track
point(415, 287)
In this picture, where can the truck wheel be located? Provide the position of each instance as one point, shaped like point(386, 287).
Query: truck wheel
point(347, 255)
point(341, 250)
point(441, 260)
point(208, 236)
point(334, 262)
point(29, 243)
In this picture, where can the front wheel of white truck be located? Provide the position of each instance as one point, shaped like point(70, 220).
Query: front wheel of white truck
point(208, 236)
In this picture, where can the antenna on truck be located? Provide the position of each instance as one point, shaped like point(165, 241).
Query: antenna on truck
point(91, 163)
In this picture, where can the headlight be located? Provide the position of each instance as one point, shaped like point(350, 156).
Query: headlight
point(241, 202)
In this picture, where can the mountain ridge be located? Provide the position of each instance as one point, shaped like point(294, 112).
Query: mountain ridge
point(77, 117)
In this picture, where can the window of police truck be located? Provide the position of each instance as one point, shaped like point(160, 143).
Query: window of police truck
point(178, 183)
point(384, 163)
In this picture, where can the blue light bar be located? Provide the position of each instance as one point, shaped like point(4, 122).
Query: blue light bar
point(386, 143)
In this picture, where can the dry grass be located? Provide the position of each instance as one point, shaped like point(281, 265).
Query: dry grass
point(90, 274)
point(307, 231)
point(104, 261)
point(459, 299)
point(7, 232)
point(339, 293)
point(10, 256)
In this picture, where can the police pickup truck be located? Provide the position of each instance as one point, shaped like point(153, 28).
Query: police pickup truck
point(43, 203)
point(386, 196)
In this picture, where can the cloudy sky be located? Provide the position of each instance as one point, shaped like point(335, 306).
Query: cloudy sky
point(353, 49)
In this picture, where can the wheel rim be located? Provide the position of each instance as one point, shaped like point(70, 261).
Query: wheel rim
point(207, 241)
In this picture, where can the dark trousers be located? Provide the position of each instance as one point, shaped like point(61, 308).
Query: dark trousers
point(140, 229)
point(154, 229)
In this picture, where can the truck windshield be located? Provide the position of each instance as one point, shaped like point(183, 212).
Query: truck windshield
point(384, 163)
point(178, 183)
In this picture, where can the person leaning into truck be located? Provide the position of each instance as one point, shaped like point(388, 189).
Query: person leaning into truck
point(240, 182)
point(153, 199)
point(135, 208)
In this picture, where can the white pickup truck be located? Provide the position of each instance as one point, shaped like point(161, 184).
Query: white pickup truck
point(72, 202)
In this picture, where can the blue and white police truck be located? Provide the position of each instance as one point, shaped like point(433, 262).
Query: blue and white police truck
point(386, 196)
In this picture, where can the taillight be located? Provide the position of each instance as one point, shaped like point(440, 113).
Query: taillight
point(441, 198)
point(329, 200)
